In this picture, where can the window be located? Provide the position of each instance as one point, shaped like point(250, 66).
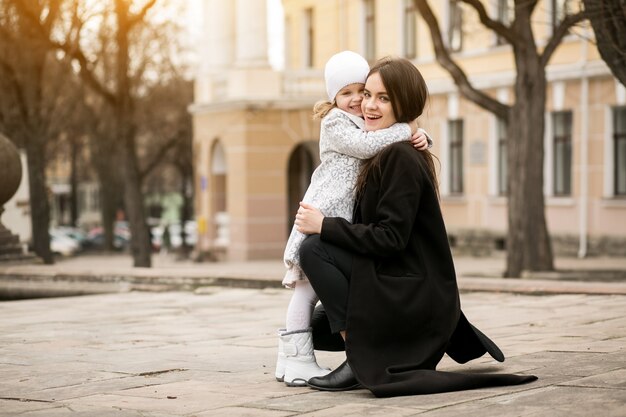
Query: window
point(619, 143)
point(502, 158)
point(506, 12)
point(562, 140)
point(309, 38)
point(410, 29)
point(455, 130)
point(370, 30)
point(455, 26)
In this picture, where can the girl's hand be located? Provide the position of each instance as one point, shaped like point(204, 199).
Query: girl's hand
point(309, 219)
point(419, 140)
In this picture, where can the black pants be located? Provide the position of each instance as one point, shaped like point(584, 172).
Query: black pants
point(328, 268)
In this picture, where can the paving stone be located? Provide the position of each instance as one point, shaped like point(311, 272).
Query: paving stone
point(359, 410)
point(244, 412)
point(12, 406)
point(613, 379)
point(124, 354)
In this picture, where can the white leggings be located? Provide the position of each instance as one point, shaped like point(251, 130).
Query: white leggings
point(301, 306)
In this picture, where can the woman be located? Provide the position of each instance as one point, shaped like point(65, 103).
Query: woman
point(387, 281)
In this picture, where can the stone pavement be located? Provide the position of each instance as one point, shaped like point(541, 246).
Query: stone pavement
point(194, 339)
point(212, 352)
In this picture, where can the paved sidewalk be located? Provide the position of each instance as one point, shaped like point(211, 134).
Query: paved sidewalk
point(212, 353)
point(89, 274)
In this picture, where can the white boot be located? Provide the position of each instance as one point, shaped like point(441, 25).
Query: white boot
point(300, 363)
point(280, 361)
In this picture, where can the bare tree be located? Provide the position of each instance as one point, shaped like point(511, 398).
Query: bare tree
point(31, 81)
point(164, 121)
point(104, 153)
point(73, 128)
point(119, 82)
point(528, 242)
point(608, 20)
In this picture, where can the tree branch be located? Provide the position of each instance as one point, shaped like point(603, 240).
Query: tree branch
point(17, 90)
point(529, 4)
point(86, 71)
point(156, 160)
point(457, 74)
point(141, 14)
point(53, 12)
point(559, 33)
point(496, 26)
point(74, 51)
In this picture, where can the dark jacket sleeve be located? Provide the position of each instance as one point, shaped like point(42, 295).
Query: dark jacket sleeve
point(399, 191)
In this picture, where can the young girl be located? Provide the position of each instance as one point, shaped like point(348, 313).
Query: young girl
point(343, 146)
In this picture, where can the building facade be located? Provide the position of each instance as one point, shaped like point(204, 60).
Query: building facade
point(255, 144)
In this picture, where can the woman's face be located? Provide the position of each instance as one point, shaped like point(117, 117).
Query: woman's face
point(376, 104)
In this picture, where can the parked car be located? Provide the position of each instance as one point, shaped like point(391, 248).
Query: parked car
point(121, 237)
point(61, 244)
point(74, 233)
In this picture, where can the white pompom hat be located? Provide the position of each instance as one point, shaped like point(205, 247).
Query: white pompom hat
point(342, 69)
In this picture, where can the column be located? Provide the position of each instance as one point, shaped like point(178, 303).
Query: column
point(251, 77)
point(216, 49)
point(251, 47)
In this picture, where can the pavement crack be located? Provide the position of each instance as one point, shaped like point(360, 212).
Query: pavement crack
point(25, 400)
point(599, 386)
point(153, 373)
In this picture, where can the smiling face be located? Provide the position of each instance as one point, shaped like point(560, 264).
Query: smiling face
point(376, 106)
point(349, 99)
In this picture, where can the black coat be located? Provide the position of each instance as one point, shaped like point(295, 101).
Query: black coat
point(404, 311)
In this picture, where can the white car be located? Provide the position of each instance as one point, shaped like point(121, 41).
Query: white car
point(62, 244)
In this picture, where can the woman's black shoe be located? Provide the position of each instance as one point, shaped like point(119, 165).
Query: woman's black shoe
point(341, 379)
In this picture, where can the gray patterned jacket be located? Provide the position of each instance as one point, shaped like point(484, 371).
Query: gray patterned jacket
point(343, 146)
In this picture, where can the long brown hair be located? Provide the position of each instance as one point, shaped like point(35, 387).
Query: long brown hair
point(408, 93)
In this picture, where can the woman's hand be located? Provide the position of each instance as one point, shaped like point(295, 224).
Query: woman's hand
point(309, 219)
point(419, 140)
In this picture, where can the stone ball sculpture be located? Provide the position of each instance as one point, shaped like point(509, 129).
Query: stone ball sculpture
point(10, 170)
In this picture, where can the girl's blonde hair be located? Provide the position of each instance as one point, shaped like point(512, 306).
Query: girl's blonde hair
point(322, 108)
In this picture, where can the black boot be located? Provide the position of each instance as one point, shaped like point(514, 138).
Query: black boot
point(341, 379)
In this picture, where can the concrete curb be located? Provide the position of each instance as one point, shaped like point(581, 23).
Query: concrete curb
point(16, 283)
point(540, 287)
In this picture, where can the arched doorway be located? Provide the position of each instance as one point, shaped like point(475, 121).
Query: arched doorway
point(302, 162)
point(219, 171)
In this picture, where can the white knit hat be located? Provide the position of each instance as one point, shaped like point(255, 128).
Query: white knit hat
point(343, 69)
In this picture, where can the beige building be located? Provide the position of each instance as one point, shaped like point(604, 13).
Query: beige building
point(255, 144)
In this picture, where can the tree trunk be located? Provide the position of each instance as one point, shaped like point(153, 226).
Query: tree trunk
point(528, 241)
point(39, 204)
point(133, 198)
point(608, 19)
point(108, 211)
point(185, 214)
point(74, 183)
point(133, 195)
point(109, 192)
point(104, 153)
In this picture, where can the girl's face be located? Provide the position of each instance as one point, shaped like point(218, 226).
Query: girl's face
point(349, 99)
point(376, 105)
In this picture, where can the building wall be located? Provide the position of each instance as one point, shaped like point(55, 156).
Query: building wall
point(260, 125)
point(257, 144)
